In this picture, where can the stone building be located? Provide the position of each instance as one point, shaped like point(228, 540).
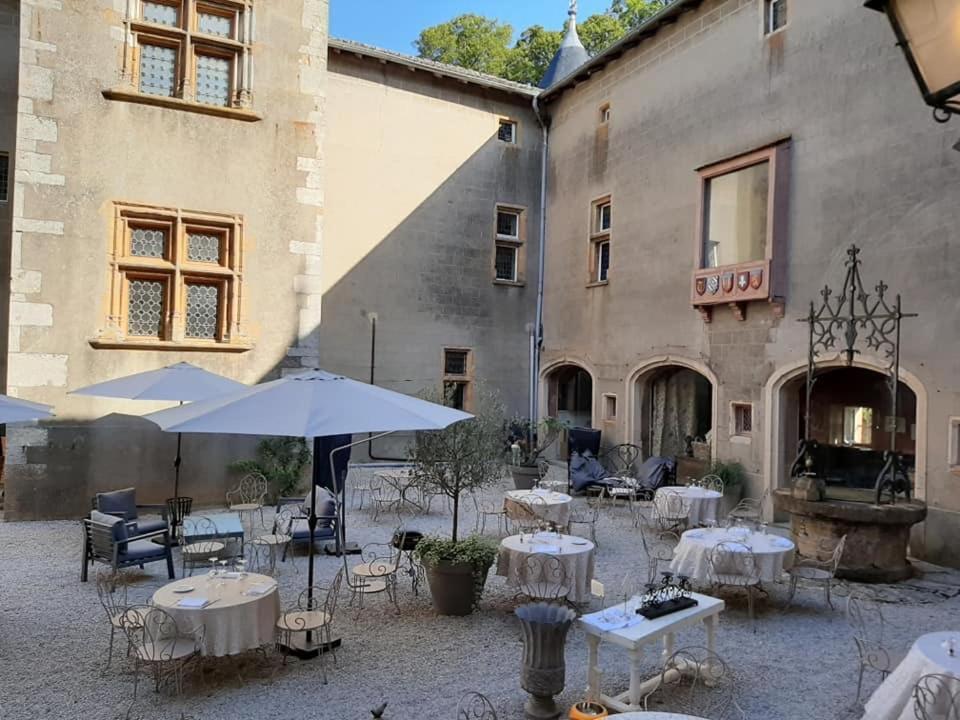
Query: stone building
point(214, 181)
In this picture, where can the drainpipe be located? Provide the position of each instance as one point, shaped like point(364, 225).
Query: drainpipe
point(538, 322)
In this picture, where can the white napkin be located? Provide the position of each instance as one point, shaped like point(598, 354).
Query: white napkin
point(261, 589)
point(544, 548)
point(231, 575)
point(694, 533)
point(197, 602)
point(777, 541)
point(616, 621)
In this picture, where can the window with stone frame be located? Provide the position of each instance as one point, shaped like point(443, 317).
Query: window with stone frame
point(507, 132)
point(192, 50)
point(601, 227)
point(742, 420)
point(510, 234)
point(774, 15)
point(175, 280)
point(458, 377)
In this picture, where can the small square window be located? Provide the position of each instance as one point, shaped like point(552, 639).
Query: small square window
point(213, 80)
point(4, 177)
point(148, 241)
point(609, 407)
point(953, 443)
point(774, 15)
point(604, 218)
point(506, 263)
point(213, 20)
point(604, 114)
point(507, 132)
point(162, 13)
point(455, 362)
point(205, 246)
point(508, 224)
point(603, 261)
point(742, 419)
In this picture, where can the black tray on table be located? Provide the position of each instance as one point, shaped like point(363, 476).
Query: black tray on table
point(655, 610)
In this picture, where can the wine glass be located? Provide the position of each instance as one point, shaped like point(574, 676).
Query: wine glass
point(213, 566)
point(763, 528)
point(241, 565)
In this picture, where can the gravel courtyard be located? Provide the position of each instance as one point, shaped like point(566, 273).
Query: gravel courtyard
point(798, 665)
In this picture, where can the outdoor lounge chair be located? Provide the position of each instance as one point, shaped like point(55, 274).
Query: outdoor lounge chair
point(123, 504)
point(107, 539)
point(299, 529)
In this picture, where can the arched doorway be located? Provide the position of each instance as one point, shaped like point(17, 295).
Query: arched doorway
point(672, 403)
point(851, 419)
point(570, 395)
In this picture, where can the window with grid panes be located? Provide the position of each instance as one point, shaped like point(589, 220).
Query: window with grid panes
point(508, 224)
point(457, 375)
point(600, 230)
point(507, 132)
point(4, 177)
point(505, 262)
point(742, 418)
point(192, 49)
point(177, 276)
point(774, 15)
point(455, 362)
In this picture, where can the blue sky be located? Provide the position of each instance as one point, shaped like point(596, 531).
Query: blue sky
point(395, 24)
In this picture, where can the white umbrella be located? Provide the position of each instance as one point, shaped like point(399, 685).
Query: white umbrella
point(312, 404)
point(181, 383)
point(16, 410)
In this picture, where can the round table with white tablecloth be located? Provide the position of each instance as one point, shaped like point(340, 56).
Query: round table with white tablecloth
point(703, 504)
point(691, 557)
point(575, 554)
point(240, 613)
point(546, 505)
point(893, 700)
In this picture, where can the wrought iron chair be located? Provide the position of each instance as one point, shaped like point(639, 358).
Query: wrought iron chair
point(474, 706)
point(384, 497)
point(733, 564)
point(157, 641)
point(202, 552)
point(712, 482)
point(277, 542)
point(620, 460)
point(542, 576)
point(360, 487)
point(659, 553)
point(817, 571)
point(937, 697)
point(405, 540)
point(534, 510)
point(249, 496)
point(377, 572)
point(112, 593)
point(866, 620)
point(313, 613)
point(588, 516)
point(695, 681)
point(671, 511)
point(106, 540)
point(750, 509)
point(488, 509)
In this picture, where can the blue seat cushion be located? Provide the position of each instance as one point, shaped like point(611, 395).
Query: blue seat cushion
point(143, 550)
point(148, 526)
point(118, 525)
point(300, 531)
point(119, 501)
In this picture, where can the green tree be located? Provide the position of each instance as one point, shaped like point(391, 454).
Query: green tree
point(600, 31)
point(530, 57)
point(633, 12)
point(469, 41)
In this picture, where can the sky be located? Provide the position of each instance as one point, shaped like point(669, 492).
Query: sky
point(395, 24)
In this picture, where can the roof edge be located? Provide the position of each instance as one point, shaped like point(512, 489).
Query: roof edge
point(470, 77)
point(646, 29)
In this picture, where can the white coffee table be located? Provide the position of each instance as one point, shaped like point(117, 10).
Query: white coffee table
point(634, 638)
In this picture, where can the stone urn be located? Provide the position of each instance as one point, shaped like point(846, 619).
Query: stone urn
point(543, 672)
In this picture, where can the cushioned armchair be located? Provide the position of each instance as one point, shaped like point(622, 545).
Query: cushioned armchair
point(108, 539)
point(299, 529)
point(123, 504)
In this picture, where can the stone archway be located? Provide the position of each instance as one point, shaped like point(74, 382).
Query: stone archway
point(569, 394)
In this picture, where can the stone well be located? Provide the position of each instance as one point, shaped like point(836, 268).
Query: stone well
point(877, 535)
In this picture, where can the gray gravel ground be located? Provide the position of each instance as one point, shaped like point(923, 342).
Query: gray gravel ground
point(799, 665)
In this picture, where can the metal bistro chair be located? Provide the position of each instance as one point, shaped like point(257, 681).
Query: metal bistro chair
point(248, 496)
point(659, 553)
point(474, 706)
point(158, 642)
point(384, 496)
point(312, 614)
point(866, 620)
point(712, 482)
point(112, 593)
point(378, 572)
point(206, 545)
point(733, 564)
point(817, 571)
point(588, 516)
point(542, 576)
point(489, 509)
point(695, 681)
point(750, 509)
point(533, 509)
point(937, 697)
point(671, 511)
point(277, 542)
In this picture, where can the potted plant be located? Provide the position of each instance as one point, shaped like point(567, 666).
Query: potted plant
point(733, 475)
point(463, 458)
point(282, 461)
point(528, 440)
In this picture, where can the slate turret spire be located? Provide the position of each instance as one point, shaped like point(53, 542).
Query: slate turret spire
point(571, 54)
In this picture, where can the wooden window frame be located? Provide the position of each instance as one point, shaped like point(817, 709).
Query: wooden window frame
point(190, 43)
point(766, 17)
point(519, 242)
point(465, 379)
point(598, 237)
point(755, 280)
point(737, 433)
point(178, 272)
point(605, 114)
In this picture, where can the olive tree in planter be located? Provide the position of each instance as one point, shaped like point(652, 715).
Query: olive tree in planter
point(529, 440)
point(463, 458)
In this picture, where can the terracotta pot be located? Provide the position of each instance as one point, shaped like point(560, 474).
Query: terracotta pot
point(452, 587)
point(588, 711)
point(524, 476)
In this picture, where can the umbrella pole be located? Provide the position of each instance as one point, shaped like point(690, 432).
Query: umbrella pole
point(176, 467)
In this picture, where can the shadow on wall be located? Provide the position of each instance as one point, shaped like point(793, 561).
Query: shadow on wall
point(429, 285)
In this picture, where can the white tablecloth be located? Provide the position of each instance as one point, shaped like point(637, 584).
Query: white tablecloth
point(546, 505)
point(575, 553)
point(893, 700)
point(704, 504)
point(234, 621)
point(692, 556)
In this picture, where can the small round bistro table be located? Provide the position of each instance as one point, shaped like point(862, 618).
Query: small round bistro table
point(575, 553)
point(692, 556)
point(893, 699)
point(704, 504)
point(546, 505)
point(240, 614)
